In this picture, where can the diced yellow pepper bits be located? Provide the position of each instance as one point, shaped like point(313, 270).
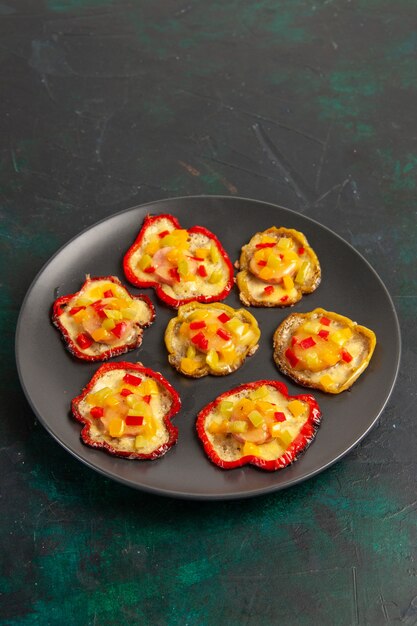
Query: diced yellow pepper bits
point(275, 430)
point(81, 316)
point(189, 365)
point(341, 336)
point(140, 441)
point(236, 326)
point(302, 273)
point(286, 438)
point(191, 352)
point(112, 400)
point(201, 253)
point(266, 273)
point(217, 428)
point(273, 261)
point(268, 239)
point(148, 387)
point(296, 407)
point(152, 247)
point(145, 261)
point(228, 355)
point(226, 408)
point(327, 381)
point(250, 449)
point(99, 397)
point(149, 427)
point(116, 427)
point(256, 418)
point(288, 283)
point(129, 313)
point(99, 334)
point(96, 292)
point(243, 407)
point(83, 301)
point(173, 255)
point(259, 392)
point(214, 254)
point(284, 243)
point(240, 426)
point(113, 314)
point(212, 359)
point(215, 277)
point(266, 408)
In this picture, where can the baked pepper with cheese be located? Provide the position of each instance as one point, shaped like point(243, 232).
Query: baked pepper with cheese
point(323, 350)
point(276, 268)
point(103, 319)
point(210, 339)
point(259, 424)
point(181, 265)
point(126, 410)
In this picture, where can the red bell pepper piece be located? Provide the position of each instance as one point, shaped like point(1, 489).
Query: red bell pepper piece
point(163, 234)
point(223, 334)
point(200, 341)
point(346, 356)
point(307, 343)
point(292, 359)
point(149, 270)
point(265, 245)
point(84, 341)
point(97, 412)
point(301, 250)
point(126, 392)
point(201, 271)
point(269, 290)
point(174, 273)
point(119, 329)
point(147, 399)
point(283, 299)
point(108, 294)
point(324, 334)
point(136, 372)
point(294, 450)
point(279, 416)
point(261, 263)
point(325, 321)
point(198, 325)
point(75, 309)
point(134, 420)
point(131, 379)
point(223, 318)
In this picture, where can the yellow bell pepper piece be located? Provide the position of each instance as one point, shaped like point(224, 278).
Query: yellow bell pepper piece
point(148, 387)
point(189, 365)
point(288, 283)
point(296, 407)
point(152, 247)
point(116, 427)
point(250, 449)
point(100, 334)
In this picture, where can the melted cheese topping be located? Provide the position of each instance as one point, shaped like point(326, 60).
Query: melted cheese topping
point(268, 415)
point(148, 400)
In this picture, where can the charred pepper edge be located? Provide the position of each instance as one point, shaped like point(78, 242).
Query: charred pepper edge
point(72, 347)
point(205, 369)
point(288, 371)
point(297, 447)
point(244, 273)
point(175, 302)
point(174, 409)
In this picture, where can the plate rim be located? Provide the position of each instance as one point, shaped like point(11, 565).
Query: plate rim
point(201, 496)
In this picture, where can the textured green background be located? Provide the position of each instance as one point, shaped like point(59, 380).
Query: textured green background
point(309, 104)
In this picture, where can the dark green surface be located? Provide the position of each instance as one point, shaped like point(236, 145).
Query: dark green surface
point(311, 105)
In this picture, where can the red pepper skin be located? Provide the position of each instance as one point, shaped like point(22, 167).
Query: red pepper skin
point(60, 305)
point(174, 302)
point(134, 368)
point(291, 454)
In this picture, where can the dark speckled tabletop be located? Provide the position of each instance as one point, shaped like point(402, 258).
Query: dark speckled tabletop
point(111, 104)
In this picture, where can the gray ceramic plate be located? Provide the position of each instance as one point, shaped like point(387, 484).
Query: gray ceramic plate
point(51, 377)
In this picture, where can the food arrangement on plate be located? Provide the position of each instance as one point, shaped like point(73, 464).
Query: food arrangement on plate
point(126, 408)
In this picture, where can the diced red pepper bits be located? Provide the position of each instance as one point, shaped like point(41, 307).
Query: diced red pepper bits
point(149, 270)
point(130, 379)
point(223, 318)
point(147, 399)
point(195, 258)
point(325, 321)
point(281, 256)
point(198, 325)
point(75, 309)
point(119, 329)
point(126, 392)
point(108, 294)
point(261, 263)
point(294, 341)
point(346, 356)
point(307, 343)
point(223, 334)
point(301, 250)
point(134, 420)
point(264, 245)
point(174, 273)
point(200, 341)
point(99, 307)
point(324, 334)
point(84, 341)
point(292, 359)
point(284, 299)
point(97, 412)
point(279, 416)
point(163, 234)
point(201, 271)
point(269, 289)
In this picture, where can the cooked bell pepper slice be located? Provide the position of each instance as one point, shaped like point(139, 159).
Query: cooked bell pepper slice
point(233, 442)
point(323, 349)
point(188, 275)
point(95, 321)
point(116, 428)
point(210, 339)
point(276, 267)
